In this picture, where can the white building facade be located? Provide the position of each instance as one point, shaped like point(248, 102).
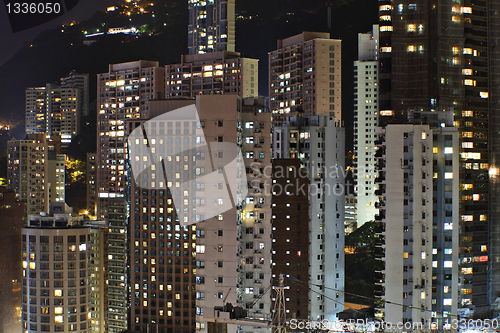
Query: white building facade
point(365, 122)
point(418, 199)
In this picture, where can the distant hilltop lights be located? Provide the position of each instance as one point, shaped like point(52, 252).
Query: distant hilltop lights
point(115, 31)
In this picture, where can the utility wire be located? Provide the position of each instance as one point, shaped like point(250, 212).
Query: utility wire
point(294, 279)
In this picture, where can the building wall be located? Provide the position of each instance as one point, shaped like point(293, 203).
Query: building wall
point(11, 223)
point(91, 184)
point(118, 263)
point(98, 264)
point(446, 226)
point(255, 228)
point(290, 209)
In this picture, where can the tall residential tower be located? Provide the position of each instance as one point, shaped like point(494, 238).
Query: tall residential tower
point(365, 121)
point(211, 26)
point(441, 56)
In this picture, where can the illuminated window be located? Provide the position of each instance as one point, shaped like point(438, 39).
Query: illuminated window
point(483, 94)
point(467, 218)
point(58, 310)
point(411, 27)
point(385, 7)
point(422, 294)
point(455, 19)
point(385, 18)
point(386, 49)
point(455, 61)
point(448, 150)
point(476, 197)
point(468, 113)
point(447, 301)
point(386, 28)
point(467, 71)
point(466, 10)
point(467, 50)
point(405, 255)
point(421, 49)
point(434, 150)
point(467, 145)
point(448, 175)
point(473, 156)
point(411, 48)
point(469, 82)
point(455, 50)
point(467, 270)
point(58, 293)
point(448, 264)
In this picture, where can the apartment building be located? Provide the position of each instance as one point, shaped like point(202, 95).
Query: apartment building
point(365, 121)
point(62, 286)
point(57, 109)
point(124, 93)
point(36, 172)
point(419, 223)
point(305, 76)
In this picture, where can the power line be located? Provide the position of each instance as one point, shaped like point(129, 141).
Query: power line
point(294, 279)
point(306, 284)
